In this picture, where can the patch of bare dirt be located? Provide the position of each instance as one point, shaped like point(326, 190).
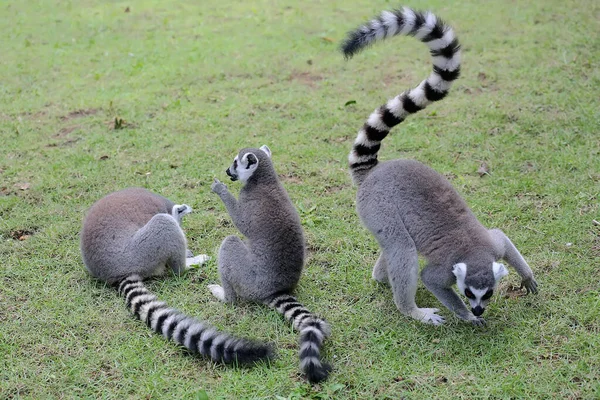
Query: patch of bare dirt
point(65, 131)
point(79, 114)
point(21, 234)
point(400, 80)
point(291, 178)
point(515, 291)
point(306, 78)
point(335, 188)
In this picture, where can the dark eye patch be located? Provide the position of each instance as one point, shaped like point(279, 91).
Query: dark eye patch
point(469, 294)
point(234, 164)
point(487, 294)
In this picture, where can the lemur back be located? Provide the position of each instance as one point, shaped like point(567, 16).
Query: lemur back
point(134, 234)
point(410, 208)
point(266, 267)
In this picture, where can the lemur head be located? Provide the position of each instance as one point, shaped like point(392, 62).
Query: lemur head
point(247, 162)
point(179, 211)
point(478, 282)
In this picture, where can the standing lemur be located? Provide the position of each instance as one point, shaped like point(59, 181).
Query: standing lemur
point(134, 234)
point(267, 266)
point(412, 209)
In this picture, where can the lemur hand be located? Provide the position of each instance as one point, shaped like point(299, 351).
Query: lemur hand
point(218, 186)
point(529, 284)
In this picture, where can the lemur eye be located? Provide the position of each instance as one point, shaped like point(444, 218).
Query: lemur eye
point(469, 294)
point(234, 164)
point(487, 295)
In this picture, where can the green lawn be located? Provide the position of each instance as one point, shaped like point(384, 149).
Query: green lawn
point(192, 82)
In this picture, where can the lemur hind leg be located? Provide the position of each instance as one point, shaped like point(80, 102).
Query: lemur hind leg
point(400, 254)
point(161, 242)
point(380, 270)
point(233, 253)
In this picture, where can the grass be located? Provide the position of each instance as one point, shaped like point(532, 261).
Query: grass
point(191, 83)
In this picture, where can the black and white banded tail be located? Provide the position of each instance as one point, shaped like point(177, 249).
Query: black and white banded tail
point(196, 336)
point(445, 51)
point(313, 331)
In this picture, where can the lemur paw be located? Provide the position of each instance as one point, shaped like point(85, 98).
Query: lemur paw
point(530, 285)
point(217, 291)
point(200, 259)
point(218, 186)
point(429, 316)
point(188, 253)
point(478, 321)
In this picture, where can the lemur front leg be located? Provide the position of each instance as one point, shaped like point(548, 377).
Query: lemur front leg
point(432, 277)
point(231, 203)
point(510, 253)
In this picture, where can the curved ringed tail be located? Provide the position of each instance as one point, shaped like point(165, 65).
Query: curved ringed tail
point(313, 331)
point(445, 52)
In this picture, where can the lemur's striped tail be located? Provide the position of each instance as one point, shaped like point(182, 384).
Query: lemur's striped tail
point(313, 331)
point(445, 51)
point(197, 336)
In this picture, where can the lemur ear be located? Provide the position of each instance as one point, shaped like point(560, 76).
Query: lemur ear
point(460, 271)
point(266, 150)
point(499, 271)
point(249, 159)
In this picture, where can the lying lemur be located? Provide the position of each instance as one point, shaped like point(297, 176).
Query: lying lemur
point(134, 234)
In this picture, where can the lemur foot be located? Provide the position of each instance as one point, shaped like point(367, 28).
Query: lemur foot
point(191, 262)
point(478, 321)
point(217, 291)
point(428, 316)
point(188, 253)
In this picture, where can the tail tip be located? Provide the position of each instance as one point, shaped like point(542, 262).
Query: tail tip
point(267, 352)
point(318, 373)
point(252, 353)
point(350, 46)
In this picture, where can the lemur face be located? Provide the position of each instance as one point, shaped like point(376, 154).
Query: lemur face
point(179, 211)
point(243, 168)
point(479, 288)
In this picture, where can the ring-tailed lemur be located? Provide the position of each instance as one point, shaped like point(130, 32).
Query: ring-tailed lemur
point(412, 209)
point(266, 268)
point(134, 234)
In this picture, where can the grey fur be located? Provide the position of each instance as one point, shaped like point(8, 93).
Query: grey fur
point(134, 234)
point(410, 208)
point(130, 232)
point(266, 267)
